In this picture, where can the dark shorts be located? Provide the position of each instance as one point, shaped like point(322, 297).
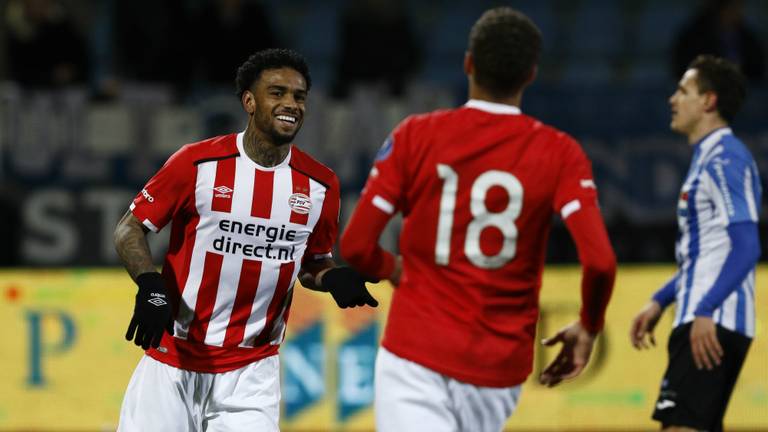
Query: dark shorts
point(698, 398)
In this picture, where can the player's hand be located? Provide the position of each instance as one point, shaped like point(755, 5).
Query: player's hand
point(347, 287)
point(643, 325)
point(152, 313)
point(573, 356)
point(706, 349)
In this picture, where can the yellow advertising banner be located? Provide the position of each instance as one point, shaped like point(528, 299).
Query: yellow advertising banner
point(66, 363)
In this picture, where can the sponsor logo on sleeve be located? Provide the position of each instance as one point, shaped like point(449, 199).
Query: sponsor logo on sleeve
point(587, 184)
point(386, 149)
point(147, 196)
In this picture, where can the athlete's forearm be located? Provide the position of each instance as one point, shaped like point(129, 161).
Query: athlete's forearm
point(360, 241)
point(742, 258)
point(312, 273)
point(131, 244)
point(598, 264)
point(666, 294)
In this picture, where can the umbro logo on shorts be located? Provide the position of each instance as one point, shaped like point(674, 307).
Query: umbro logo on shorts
point(300, 203)
point(664, 404)
point(222, 192)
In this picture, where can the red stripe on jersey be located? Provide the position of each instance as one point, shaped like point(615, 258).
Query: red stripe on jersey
point(241, 310)
point(263, 184)
point(206, 297)
point(177, 257)
point(278, 303)
point(300, 186)
point(224, 185)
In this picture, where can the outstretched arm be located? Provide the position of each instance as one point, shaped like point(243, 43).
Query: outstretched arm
point(345, 285)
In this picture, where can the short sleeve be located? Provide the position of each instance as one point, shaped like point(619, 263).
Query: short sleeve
point(734, 189)
point(323, 237)
point(166, 193)
point(575, 184)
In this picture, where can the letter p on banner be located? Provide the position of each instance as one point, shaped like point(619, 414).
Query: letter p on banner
point(49, 333)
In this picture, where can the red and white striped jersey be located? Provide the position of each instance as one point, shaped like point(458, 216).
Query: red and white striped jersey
point(239, 235)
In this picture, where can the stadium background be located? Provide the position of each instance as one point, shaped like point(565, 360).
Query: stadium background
point(72, 156)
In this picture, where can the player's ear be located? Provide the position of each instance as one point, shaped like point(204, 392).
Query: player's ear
point(249, 102)
point(710, 102)
point(469, 64)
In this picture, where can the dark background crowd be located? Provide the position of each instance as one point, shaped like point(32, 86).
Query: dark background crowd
point(95, 94)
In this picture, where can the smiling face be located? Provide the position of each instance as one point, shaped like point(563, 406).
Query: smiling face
point(275, 104)
point(688, 104)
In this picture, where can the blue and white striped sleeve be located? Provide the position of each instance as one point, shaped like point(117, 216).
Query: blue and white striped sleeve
point(665, 296)
point(735, 193)
point(735, 188)
point(741, 259)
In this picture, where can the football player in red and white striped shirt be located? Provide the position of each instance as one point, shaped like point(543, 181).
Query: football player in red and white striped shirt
point(477, 187)
point(249, 214)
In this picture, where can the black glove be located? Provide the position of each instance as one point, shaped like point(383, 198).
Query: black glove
point(347, 287)
point(152, 313)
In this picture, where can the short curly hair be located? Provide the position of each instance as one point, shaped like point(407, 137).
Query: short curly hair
point(724, 78)
point(272, 58)
point(505, 46)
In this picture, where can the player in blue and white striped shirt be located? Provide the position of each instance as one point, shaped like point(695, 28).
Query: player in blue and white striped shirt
point(717, 250)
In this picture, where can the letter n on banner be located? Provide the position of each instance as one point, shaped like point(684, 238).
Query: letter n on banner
point(303, 358)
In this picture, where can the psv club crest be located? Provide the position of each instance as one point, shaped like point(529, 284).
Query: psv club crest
point(300, 203)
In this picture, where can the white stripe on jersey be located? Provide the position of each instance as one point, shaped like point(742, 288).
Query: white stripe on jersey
point(570, 208)
point(317, 195)
point(383, 205)
point(225, 298)
point(206, 175)
point(749, 290)
point(283, 187)
point(750, 194)
point(270, 271)
point(278, 332)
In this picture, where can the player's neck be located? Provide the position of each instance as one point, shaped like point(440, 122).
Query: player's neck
point(478, 93)
point(704, 128)
point(263, 151)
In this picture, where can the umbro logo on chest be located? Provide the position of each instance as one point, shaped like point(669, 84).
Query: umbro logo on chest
point(222, 192)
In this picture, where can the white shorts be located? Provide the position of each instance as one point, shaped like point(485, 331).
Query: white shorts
point(410, 397)
point(164, 398)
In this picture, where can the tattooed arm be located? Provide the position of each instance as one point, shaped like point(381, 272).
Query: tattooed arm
point(131, 245)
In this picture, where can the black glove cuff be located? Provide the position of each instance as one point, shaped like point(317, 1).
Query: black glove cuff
point(151, 281)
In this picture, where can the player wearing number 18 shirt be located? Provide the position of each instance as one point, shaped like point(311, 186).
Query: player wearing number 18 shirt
point(477, 187)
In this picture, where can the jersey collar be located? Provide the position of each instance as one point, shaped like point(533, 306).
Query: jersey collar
point(492, 107)
point(240, 149)
point(712, 138)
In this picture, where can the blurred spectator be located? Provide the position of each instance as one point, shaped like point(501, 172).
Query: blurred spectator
point(152, 41)
point(719, 29)
point(229, 31)
point(377, 44)
point(44, 48)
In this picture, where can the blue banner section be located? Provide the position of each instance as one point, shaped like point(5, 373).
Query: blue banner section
point(303, 363)
point(355, 361)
